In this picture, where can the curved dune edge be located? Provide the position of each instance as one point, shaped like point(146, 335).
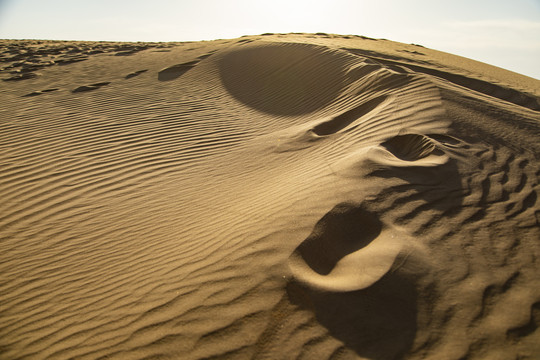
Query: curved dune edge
point(303, 196)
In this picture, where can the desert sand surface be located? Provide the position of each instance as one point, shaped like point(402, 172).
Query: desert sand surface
point(281, 196)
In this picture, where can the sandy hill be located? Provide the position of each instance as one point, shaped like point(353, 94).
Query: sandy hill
point(289, 196)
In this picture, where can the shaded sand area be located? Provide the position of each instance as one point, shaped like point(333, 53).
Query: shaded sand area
point(290, 196)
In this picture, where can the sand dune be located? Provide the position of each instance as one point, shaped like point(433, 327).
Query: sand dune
point(289, 196)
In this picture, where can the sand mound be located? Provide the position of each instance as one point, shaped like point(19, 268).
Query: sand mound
point(270, 197)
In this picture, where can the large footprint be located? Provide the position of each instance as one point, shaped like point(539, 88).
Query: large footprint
point(349, 249)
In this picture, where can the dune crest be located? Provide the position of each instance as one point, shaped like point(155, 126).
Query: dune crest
point(299, 196)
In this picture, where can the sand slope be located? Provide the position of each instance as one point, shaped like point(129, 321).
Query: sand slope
point(268, 197)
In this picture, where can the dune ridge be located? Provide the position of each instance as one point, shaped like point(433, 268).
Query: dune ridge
point(276, 196)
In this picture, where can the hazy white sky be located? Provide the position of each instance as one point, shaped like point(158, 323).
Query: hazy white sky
point(505, 33)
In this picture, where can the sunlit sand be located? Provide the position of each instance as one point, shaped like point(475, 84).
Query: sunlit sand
point(291, 196)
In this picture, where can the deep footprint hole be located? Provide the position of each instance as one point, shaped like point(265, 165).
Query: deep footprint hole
point(344, 230)
point(410, 147)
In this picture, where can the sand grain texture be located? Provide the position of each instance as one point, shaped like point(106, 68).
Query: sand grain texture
point(289, 196)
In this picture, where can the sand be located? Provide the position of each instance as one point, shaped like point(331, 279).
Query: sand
point(282, 196)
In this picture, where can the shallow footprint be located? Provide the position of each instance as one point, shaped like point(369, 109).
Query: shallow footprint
point(175, 71)
point(36, 93)
point(90, 87)
point(343, 120)
point(136, 73)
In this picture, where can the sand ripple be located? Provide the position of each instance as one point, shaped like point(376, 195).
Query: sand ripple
point(300, 196)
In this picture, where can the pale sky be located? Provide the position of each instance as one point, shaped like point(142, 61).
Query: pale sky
point(504, 33)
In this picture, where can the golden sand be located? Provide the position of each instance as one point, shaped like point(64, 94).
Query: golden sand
point(270, 197)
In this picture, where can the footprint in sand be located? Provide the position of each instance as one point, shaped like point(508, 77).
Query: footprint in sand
point(340, 122)
point(136, 73)
point(40, 92)
point(175, 71)
point(351, 248)
point(90, 87)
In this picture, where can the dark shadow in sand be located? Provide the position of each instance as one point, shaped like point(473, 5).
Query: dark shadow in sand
point(175, 71)
point(377, 323)
point(284, 79)
point(342, 231)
